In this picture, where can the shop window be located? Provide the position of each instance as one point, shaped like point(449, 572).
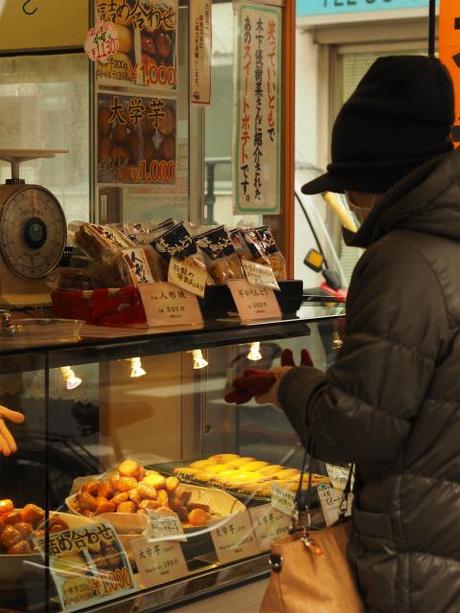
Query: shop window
point(44, 104)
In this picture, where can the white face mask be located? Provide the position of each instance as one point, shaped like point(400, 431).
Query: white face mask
point(361, 212)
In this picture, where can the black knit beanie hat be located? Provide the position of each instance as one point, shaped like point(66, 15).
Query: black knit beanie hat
point(399, 116)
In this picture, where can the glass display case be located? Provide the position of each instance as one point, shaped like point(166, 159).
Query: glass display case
point(154, 490)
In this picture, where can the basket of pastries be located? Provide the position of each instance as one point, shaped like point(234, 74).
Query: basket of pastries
point(125, 495)
point(242, 474)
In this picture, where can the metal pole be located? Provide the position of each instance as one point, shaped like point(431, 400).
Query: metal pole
point(432, 28)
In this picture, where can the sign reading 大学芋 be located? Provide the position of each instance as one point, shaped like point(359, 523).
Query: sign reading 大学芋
point(328, 7)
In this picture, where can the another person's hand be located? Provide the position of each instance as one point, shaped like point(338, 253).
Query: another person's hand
point(263, 385)
point(7, 442)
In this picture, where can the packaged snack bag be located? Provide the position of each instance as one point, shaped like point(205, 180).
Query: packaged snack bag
point(222, 260)
point(276, 258)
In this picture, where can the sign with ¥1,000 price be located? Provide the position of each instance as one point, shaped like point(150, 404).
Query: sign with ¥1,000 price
point(166, 526)
point(166, 305)
point(234, 538)
point(330, 500)
point(88, 566)
point(259, 275)
point(159, 562)
point(187, 277)
point(269, 524)
point(252, 302)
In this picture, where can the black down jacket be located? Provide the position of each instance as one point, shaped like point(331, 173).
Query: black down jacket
point(391, 402)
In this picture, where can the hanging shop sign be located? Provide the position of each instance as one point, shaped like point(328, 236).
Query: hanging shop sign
point(306, 8)
point(200, 51)
point(89, 566)
point(136, 139)
point(449, 53)
point(257, 108)
point(147, 33)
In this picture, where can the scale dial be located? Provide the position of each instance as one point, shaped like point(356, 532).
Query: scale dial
point(32, 231)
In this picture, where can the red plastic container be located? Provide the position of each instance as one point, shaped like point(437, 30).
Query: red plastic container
point(102, 307)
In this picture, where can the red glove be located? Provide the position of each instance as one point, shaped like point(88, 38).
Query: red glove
point(257, 382)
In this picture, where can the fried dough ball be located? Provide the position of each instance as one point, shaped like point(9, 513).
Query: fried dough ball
point(24, 529)
point(198, 517)
point(105, 489)
point(87, 502)
point(21, 547)
point(134, 496)
point(13, 518)
point(129, 468)
point(147, 491)
point(119, 498)
point(124, 484)
point(152, 505)
point(126, 507)
point(90, 487)
point(104, 505)
point(6, 506)
point(172, 484)
point(163, 498)
point(32, 514)
point(154, 480)
point(10, 536)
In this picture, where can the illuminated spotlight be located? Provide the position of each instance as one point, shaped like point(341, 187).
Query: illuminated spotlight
point(71, 380)
point(136, 368)
point(254, 352)
point(198, 359)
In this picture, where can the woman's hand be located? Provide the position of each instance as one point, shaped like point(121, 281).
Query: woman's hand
point(263, 385)
point(7, 442)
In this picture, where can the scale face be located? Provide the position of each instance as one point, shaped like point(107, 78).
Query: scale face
point(32, 231)
point(33, 235)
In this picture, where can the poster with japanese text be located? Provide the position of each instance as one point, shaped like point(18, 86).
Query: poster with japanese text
point(200, 51)
point(88, 566)
point(136, 139)
point(147, 34)
point(257, 109)
point(449, 53)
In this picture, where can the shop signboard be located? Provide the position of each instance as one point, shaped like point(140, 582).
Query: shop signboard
point(89, 566)
point(449, 52)
point(136, 139)
point(257, 109)
point(200, 51)
point(147, 33)
point(305, 8)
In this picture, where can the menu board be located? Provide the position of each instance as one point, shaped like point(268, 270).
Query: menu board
point(257, 109)
point(136, 139)
point(147, 34)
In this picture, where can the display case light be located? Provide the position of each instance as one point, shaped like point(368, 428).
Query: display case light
point(136, 368)
point(198, 359)
point(70, 378)
point(254, 352)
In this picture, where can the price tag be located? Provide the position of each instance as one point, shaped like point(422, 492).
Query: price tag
point(338, 476)
point(88, 566)
point(330, 500)
point(187, 277)
point(166, 305)
point(201, 51)
point(254, 303)
point(159, 561)
point(101, 42)
point(259, 275)
point(166, 526)
point(269, 524)
point(234, 538)
point(283, 499)
point(138, 265)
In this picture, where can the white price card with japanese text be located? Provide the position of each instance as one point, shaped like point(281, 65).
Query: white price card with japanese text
point(166, 526)
point(269, 524)
point(338, 476)
point(330, 500)
point(159, 561)
point(257, 109)
point(234, 538)
point(259, 275)
point(200, 37)
point(187, 277)
point(283, 499)
point(88, 565)
point(166, 305)
point(254, 303)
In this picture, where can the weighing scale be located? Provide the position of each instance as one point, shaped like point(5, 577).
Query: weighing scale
point(33, 234)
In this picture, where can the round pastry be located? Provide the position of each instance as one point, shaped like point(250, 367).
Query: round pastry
point(255, 465)
point(287, 473)
point(271, 469)
point(200, 464)
point(223, 458)
point(129, 468)
point(239, 462)
point(154, 480)
point(215, 469)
